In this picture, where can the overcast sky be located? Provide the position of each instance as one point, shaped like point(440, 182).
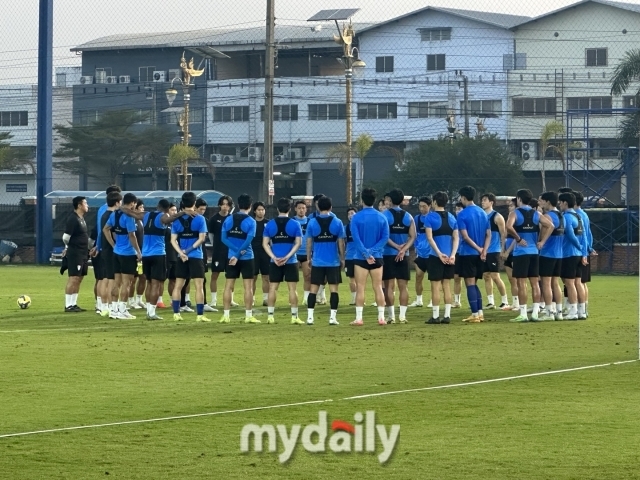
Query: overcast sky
point(77, 21)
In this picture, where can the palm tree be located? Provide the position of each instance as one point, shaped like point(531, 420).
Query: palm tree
point(359, 149)
point(551, 130)
point(628, 71)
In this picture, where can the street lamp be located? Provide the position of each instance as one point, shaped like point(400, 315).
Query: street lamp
point(188, 71)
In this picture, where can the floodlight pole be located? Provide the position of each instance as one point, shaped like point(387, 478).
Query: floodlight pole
point(269, 67)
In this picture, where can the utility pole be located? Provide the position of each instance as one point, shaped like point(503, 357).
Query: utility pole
point(269, 67)
point(465, 85)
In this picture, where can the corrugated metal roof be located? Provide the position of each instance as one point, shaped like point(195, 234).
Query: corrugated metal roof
point(631, 7)
point(215, 37)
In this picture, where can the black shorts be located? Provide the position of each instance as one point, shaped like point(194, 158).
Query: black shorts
point(509, 261)
point(171, 270)
point(395, 270)
point(288, 272)
point(367, 266)
point(421, 263)
point(78, 262)
point(438, 271)
point(302, 258)
point(586, 272)
point(98, 268)
point(261, 263)
point(107, 260)
point(125, 264)
point(219, 264)
point(526, 266)
point(550, 267)
point(571, 268)
point(457, 268)
point(330, 275)
point(470, 266)
point(192, 268)
point(349, 268)
point(492, 264)
point(242, 267)
point(154, 267)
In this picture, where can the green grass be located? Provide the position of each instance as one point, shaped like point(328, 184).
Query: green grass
point(62, 370)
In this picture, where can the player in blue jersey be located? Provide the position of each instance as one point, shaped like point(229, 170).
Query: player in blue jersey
point(238, 230)
point(507, 257)
point(586, 270)
point(550, 247)
point(370, 231)
point(320, 296)
point(282, 238)
point(325, 245)
point(422, 248)
point(492, 264)
point(442, 234)
point(302, 255)
point(260, 257)
point(220, 252)
point(188, 234)
point(154, 253)
point(350, 255)
point(475, 238)
point(103, 262)
point(402, 235)
point(574, 256)
point(457, 279)
point(126, 251)
point(525, 224)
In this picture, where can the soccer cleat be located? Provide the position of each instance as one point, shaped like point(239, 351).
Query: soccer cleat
point(270, 319)
point(519, 319)
point(545, 317)
point(78, 309)
point(416, 303)
point(473, 319)
point(357, 323)
point(98, 311)
point(489, 306)
point(104, 313)
point(187, 309)
point(224, 319)
point(202, 318)
point(582, 317)
point(296, 321)
point(504, 306)
point(188, 303)
point(234, 304)
point(558, 316)
point(209, 308)
point(127, 316)
point(177, 317)
point(456, 305)
point(382, 321)
point(136, 306)
point(571, 317)
point(468, 318)
point(70, 309)
point(391, 321)
point(374, 304)
point(160, 305)
point(433, 321)
point(530, 309)
point(115, 315)
point(333, 321)
point(534, 318)
point(445, 320)
point(309, 321)
point(251, 320)
point(153, 317)
point(322, 301)
point(352, 303)
point(481, 317)
point(402, 320)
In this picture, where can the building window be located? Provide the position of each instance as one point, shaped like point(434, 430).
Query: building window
point(435, 34)
point(596, 57)
point(230, 114)
point(384, 64)
point(14, 119)
point(483, 108)
point(534, 107)
point(435, 62)
point(514, 62)
point(589, 103)
point(195, 115)
point(630, 101)
point(377, 111)
point(145, 74)
point(331, 111)
point(282, 113)
point(427, 109)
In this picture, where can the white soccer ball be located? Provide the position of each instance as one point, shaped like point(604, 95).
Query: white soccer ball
point(24, 301)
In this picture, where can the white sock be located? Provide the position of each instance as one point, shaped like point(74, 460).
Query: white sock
point(436, 312)
point(573, 309)
point(419, 298)
point(159, 300)
point(403, 311)
point(490, 299)
point(138, 298)
point(391, 312)
point(559, 307)
point(148, 308)
point(310, 313)
point(447, 310)
point(74, 298)
point(248, 313)
point(187, 298)
point(305, 296)
point(581, 309)
point(359, 313)
point(333, 314)
point(152, 311)
point(516, 301)
point(68, 300)
point(99, 305)
point(122, 307)
point(265, 297)
point(214, 299)
point(542, 304)
point(536, 309)
point(565, 303)
point(480, 313)
point(380, 312)
point(294, 312)
point(131, 300)
point(270, 310)
point(523, 310)
point(227, 313)
point(504, 300)
point(320, 292)
point(456, 298)
point(353, 297)
point(113, 307)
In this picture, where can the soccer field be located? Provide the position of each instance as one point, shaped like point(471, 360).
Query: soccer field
point(59, 371)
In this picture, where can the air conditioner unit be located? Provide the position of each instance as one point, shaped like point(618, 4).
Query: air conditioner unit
point(159, 76)
point(101, 76)
point(215, 157)
point(295, 153)
point(124, 79)
point(229, 158)
point(529, 151)
point(112, 79)
point(86, 80)
point(174, 73)
point(279, 158)
point(254, 154)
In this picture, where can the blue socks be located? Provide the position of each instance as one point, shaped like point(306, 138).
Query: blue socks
point(479, 304)
point(472, 297)
point(176, 306)
point(199, 308)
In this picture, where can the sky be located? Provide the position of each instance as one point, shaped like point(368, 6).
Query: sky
point(77, 21)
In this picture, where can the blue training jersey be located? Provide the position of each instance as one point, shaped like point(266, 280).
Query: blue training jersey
point(472, 219)
point(350, 249)
point(304, 221)
point(325, 230)
point(154, 232)
point(423, 249)
point(575, 239)
point(552, 248)
point(495, 245)
point(122, 225)
point(101, 210)
point(586, 224)
point(399, 223)
point(283, 232)
point(441, 231)
point(237, 232)
point(370, 231)
point(188, 229)
point(527, 225)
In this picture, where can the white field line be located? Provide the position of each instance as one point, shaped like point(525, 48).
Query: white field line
point(312, 402)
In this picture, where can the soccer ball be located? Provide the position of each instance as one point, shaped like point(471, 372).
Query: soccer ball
point(24, 301)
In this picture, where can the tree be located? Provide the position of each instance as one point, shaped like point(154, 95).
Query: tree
point(627, 71)
point(180, 153)
point(15, 159)
point(359, 149)
point(107, 145)
point(551, 130)
point(440, 165)
point(155, 143)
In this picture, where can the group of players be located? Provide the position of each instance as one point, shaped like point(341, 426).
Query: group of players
point(541, 242)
